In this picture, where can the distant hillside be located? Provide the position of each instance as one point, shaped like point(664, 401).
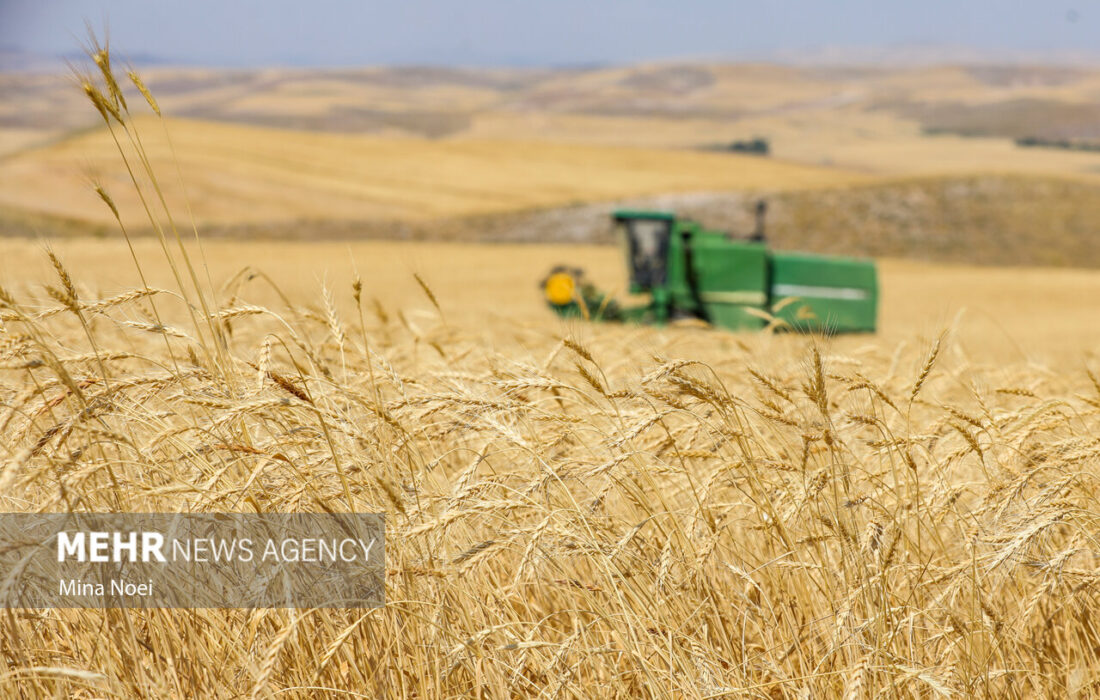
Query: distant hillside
point(885, 119)
point(437, 101)
point(247, 174)
point(1014, 119)
point(982, 220)
point(914, 161)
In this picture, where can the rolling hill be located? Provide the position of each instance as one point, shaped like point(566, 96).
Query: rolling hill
point(893, 160)
point(237, 173)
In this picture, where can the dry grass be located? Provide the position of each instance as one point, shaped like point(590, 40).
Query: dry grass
point(673, 513)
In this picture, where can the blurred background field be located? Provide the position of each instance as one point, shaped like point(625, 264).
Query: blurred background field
point(910, 161)
point(997, 314)
point(406, 170)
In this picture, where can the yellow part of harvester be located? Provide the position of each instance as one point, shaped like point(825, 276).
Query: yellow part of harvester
point(559, 288)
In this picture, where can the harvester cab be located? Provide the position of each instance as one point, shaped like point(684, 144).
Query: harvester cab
point(738, 284)
point(645, 236)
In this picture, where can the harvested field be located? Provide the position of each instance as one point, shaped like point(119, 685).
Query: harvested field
point(250, 174)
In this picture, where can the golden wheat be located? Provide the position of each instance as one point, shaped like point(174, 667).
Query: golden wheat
point(707, 529)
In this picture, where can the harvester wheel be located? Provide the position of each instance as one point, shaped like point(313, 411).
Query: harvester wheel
point(561, 286)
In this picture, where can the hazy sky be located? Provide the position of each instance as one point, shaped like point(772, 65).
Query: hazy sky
point(550, 32)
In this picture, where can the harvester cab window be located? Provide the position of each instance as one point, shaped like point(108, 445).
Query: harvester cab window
point(647, 245)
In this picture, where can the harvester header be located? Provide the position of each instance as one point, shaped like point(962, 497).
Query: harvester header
point(734, 283)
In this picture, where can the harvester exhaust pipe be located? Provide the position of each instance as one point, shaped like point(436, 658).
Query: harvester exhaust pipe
point(758, 233)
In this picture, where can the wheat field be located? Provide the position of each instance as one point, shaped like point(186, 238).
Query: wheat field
point(573, 509)
point(670, 513)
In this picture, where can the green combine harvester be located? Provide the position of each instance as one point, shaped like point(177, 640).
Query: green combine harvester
point(737, 284)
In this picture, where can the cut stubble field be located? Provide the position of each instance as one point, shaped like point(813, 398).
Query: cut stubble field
point(234, 173)
point(996, 313)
